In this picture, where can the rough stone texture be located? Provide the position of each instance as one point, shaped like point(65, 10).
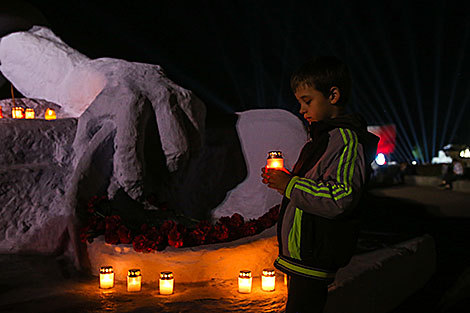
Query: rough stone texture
point(125, 103)
point(261, 131)
point(34, 167)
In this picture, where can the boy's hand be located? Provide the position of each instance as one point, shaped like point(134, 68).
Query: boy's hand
point(276, 179)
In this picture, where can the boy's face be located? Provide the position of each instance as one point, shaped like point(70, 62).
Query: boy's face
point(314, 106)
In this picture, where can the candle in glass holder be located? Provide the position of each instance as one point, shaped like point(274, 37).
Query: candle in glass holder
point(166, 283)
point(268, 280)
point(1, 114)
point(29, 114)
point(244, 282)
point(134, 280)
point(275, 160)
point(49, 114)
point(106, 277)
point(17, 112)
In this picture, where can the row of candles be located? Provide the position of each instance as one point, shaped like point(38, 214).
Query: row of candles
point(167, 280)
point(28, 113)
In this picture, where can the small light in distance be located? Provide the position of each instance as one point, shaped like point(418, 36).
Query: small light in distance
point(380, 159)
point(414, 162)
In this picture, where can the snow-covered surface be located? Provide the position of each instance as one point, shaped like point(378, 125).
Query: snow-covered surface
point(373, 282)
point(196, 264)
point(261, 131)
point(34, 167)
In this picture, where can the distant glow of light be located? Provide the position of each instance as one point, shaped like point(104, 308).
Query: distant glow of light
point(380, 159)
point(414, 162)
point(465, 153)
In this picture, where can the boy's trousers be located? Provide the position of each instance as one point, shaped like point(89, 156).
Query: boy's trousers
point(306, 295)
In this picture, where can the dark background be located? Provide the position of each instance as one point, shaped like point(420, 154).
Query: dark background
point(409, 59)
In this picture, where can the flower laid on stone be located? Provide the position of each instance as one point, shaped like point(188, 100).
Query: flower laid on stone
point(167, 228)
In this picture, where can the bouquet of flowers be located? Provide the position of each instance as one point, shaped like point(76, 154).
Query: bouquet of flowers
point(166, 228)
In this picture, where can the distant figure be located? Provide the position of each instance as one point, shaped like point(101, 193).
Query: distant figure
point(451, 173)
point(319, 217)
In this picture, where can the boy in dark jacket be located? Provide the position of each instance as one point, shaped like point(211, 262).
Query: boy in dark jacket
point(319, 217)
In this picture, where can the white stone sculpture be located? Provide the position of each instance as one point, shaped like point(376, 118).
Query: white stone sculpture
point(112, 97)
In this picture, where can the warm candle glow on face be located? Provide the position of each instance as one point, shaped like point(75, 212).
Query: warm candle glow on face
point(50, 114)
point(275, 160)
point(17, 112)
point(134, 280)
point(268, 280)
point(29, 114)
point(244, 282)
point(166, 283)
point(106, 277)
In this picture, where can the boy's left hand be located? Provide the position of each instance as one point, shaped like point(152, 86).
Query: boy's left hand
point(276, 179)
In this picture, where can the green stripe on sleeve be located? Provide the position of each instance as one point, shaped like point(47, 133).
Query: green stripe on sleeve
point(294, 235)
point(290, 185)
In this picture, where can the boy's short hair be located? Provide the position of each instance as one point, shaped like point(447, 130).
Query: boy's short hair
point(322, 73)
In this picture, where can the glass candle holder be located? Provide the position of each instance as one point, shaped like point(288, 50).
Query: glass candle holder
point(268, 280)
point(1, 114)
point(106, 277)
point(244, 281)
point(17, 112)
point(275, 160)
point(50, 114)
point(29, 114)
point(134, 280)
point(166, 283)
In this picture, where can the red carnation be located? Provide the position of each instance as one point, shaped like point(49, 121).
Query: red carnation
point(219, 233)
point(249, 228)
point(112, 223)
point(124, 234)
point(236, 220)
point(139, 243)
point(111, 237)
point(167, 226)
point(175, 237)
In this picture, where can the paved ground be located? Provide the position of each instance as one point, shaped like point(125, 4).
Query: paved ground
point(47, 284)
point(413, 210)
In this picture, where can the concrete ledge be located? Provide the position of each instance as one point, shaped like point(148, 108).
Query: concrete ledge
point(461, 185)
point(422, 180)
point(380, 280)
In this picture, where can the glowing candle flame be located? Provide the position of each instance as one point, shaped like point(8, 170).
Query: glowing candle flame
point(166, 283)
point(106, 277)
point(244, 282)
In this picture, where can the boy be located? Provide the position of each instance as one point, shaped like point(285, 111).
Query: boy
point(318, 221)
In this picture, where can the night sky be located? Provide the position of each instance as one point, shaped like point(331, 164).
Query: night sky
point(409, 59)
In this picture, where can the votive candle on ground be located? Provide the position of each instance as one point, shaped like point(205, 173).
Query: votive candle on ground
point(17, 112)
point(1, 114)
point(275, 160)
point(268, 280)
point(29, 114)
point(244, 281)
point(134, 280)
point(106, 277)
point(49, 114)
point(166, 283)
